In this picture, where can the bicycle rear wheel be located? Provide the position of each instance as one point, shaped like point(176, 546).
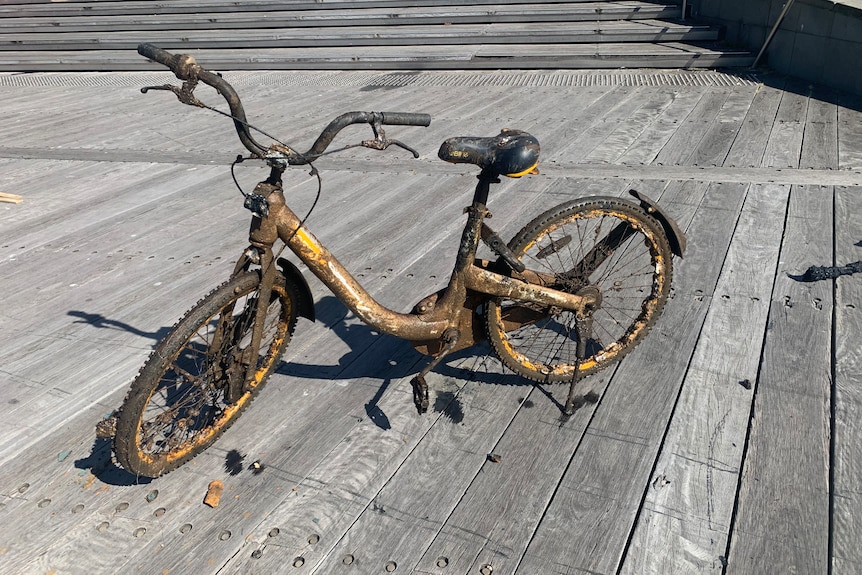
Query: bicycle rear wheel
point(603, 243)
point(178, 406)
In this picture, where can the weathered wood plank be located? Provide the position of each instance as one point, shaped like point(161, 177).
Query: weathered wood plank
point(428, 485)
point(44, 8)
point(433, 57)
point(649, 143)
point(680, 146)
point(85, 267)
point(336, 492)
point(751, 140)
point(850, 133)
point(285, 17)
point(306, 429)
point(847, 430)
point(788, 443)
point(686, 516)
point(623, 135)
point(493, 523)
point(820, 139)
point(606, 480)
point(715, 145)
point(600, 119)
point(451, 34)
point(785, 140)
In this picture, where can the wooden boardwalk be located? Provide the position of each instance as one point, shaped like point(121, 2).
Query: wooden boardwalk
point(88, 35)
point(728, 442)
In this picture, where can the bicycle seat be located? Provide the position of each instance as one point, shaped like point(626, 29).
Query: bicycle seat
point(512, 153)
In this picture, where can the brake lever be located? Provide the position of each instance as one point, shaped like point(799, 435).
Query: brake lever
point(381, 142)
point(403, 145)
point(168, 87)
point(184, 94)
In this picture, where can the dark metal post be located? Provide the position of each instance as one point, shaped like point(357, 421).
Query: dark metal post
point(772, 32)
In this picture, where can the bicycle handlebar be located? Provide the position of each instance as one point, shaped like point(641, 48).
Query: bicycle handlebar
point(392, 118)
point(187, 69)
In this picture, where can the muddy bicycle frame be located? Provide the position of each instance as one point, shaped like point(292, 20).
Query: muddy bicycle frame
point(436, 313)
point(441, 322)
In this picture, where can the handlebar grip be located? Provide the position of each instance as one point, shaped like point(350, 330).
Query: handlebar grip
point(406, 119)
point(183, 66)
point(156, 54)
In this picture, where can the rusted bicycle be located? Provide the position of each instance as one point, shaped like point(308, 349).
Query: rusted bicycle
point(575, 290)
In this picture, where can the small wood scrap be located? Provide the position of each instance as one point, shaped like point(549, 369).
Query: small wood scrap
point(10, 198)
point(214, 493)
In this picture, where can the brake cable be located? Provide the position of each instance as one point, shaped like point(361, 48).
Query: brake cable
point(185, 95)
point(314, 172)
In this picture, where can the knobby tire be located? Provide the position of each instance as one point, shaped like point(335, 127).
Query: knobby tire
point(177, 405)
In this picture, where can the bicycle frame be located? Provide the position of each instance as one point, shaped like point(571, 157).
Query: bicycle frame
point(435, 314)
point(540, 321)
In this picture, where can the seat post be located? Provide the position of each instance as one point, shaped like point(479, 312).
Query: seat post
point(483, 187)
point(455, 293)
point(476, 212)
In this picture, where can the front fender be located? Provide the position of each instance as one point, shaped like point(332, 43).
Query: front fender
point(305, 305)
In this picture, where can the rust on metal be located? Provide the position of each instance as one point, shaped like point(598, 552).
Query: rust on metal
point(442, 322)
point(675, 235)
point(489, 282)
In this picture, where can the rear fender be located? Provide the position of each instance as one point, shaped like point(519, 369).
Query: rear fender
point(675, 236)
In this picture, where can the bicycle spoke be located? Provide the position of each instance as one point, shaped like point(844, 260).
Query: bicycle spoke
point(607, 247)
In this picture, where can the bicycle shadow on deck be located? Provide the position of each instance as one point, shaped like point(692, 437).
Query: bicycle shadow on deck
point(373, 355)
point(370, 355)
point(99, 321)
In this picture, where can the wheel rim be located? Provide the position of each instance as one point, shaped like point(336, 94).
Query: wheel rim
point(632, 280)
point(187, 408)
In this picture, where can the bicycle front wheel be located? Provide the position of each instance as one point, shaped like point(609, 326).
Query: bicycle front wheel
point(603, 243)
point(178, 405)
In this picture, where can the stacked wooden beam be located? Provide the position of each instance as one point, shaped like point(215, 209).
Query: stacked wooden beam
point(76, 35)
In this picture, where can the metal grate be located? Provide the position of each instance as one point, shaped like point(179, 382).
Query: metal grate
point(562, 78)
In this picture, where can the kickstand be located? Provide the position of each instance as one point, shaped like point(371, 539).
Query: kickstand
point(420, 386)
point(583, 331)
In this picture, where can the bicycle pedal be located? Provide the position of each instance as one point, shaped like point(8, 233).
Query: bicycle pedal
point(420, 393)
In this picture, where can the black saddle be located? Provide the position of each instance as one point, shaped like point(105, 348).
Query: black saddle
point(512, 153)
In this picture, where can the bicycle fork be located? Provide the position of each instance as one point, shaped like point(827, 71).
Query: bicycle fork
point(244, 361)
point(251, 353)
